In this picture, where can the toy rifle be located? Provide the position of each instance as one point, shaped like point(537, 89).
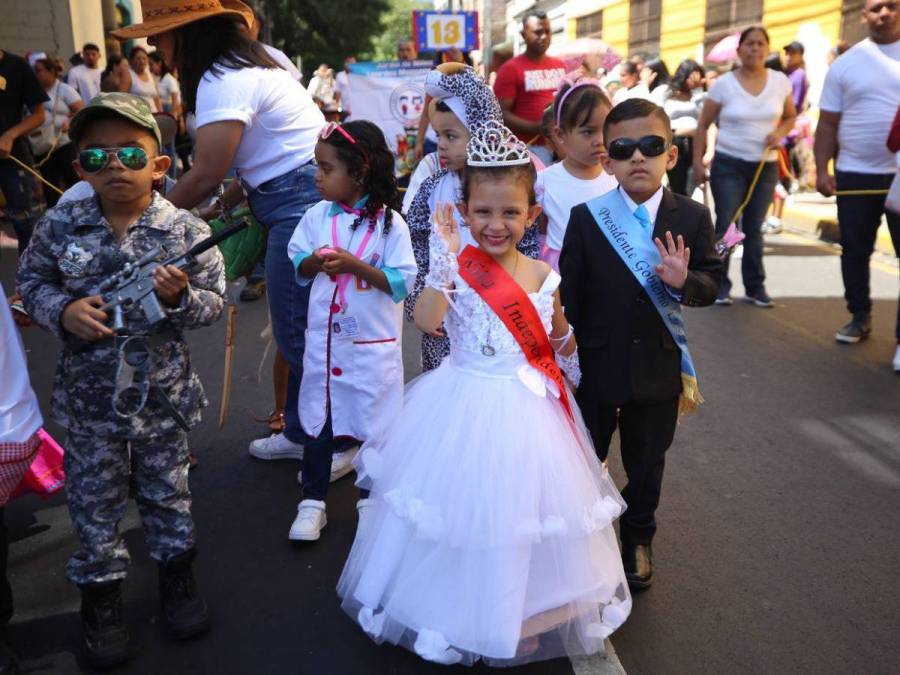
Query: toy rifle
point(132, 288)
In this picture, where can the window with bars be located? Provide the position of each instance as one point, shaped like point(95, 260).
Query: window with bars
point(726, 16)
point(643, 26)
point(852, 28)
point(589, 26)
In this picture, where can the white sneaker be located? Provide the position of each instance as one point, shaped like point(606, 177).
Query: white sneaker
point(364, 509)
point(897, 360)
point(309, 521)
point(341, 465)
point(276, 447)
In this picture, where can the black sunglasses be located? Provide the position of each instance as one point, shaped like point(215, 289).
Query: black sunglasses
point(650, 146)
point(97, 159)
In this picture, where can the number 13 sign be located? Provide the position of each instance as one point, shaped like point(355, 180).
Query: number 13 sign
point(436, 31)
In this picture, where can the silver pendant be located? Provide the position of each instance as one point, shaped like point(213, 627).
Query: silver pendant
point(487, 350)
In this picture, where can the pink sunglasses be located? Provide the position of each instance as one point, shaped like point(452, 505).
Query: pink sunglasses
point(331, 127)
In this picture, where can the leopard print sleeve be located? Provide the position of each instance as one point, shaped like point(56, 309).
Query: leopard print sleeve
point(419, 221)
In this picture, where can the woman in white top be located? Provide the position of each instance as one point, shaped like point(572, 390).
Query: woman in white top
point(754, 110)
point(251, 116)
point(166, 85)
point(685, 97)
point(53, 151)
point(143, 83)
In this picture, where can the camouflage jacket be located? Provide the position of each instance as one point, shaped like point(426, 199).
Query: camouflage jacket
point(72, 251)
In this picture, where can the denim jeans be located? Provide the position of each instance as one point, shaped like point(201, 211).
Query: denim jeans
point(730, 180)
point(860, 217)
point(278, 205)
point(17, 187)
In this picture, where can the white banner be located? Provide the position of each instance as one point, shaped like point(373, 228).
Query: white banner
point(389, 93)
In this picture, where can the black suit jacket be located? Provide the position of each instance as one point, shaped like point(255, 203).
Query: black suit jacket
point(625, 349)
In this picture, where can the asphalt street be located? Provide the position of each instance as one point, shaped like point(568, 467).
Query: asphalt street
point(776, 550)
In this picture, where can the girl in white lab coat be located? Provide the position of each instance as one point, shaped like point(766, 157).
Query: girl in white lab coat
point(354, 248)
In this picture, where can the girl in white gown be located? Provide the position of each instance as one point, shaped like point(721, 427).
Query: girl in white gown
point(490, 532)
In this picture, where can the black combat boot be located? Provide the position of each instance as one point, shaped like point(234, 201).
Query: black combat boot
point(106, 639)
point(183, 609)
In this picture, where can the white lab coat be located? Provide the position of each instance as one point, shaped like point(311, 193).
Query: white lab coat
point(353, 358)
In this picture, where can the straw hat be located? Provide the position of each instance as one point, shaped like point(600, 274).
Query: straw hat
point(165, 15)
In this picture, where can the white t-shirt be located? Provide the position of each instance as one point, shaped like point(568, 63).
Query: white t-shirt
point(281, 122)
point(58, 110)
point(145, 89)
point(684, 115)
point(20, 415)
point(282, 60)
point(342, 86)
point(745, 120)
point(167, 86)
point(86, 81)
point(558, 191)
point(637, 91)
point(863, 85)
point(430, 165)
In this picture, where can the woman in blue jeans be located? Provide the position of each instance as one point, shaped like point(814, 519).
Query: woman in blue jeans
point(252, 116)
point(754, 110)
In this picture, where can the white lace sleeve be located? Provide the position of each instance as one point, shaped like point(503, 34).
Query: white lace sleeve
point(442, 264)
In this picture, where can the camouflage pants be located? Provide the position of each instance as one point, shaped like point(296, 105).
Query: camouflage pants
point(97, 486)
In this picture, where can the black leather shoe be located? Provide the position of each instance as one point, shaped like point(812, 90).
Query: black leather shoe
point(106, 639)
point(183, 608)
point(638, 564)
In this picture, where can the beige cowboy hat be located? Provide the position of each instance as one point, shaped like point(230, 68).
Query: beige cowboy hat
point(165, 15)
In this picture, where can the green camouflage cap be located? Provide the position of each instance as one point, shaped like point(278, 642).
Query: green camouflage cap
point(132, 108)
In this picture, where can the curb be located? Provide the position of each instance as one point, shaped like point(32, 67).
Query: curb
point(605, 663)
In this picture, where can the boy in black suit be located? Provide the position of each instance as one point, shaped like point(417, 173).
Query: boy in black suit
point(630, 258)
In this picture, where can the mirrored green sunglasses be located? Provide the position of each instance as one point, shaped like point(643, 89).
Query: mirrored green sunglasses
point(97, 159)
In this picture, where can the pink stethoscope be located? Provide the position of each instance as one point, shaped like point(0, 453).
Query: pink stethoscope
point(343, 280)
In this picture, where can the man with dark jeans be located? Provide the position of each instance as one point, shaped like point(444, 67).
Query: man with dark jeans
point(19, 90)
point(859, 101)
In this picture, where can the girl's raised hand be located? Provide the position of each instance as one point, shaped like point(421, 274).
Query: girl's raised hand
point(446, 227)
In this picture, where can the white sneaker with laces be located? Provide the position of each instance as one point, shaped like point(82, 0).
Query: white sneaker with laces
point(341, 465)
point(276, 447)
point(897, 360)
point(309, 522)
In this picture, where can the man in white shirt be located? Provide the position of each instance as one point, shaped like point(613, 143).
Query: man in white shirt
point(342, 87)
point(85, 78)
point(859, 100)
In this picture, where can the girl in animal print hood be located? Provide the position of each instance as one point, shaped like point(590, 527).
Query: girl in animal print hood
point(462, 101)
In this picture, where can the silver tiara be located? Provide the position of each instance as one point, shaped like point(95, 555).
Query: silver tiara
point(492, 144)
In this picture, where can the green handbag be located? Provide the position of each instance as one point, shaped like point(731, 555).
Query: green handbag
point(242, 250)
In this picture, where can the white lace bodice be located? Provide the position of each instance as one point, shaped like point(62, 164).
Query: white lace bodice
point(472, 325)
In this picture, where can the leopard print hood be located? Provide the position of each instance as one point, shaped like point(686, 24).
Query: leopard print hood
point(465, 92)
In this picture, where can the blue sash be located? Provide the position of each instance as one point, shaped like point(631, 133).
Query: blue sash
point(638, 252)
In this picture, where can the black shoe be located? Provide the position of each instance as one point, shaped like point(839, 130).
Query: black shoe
point(183, 609)
point(9, 662)
point(254, 290)
point(760, 298)
point(106, 639)
point(638, 564)
point(858, 329)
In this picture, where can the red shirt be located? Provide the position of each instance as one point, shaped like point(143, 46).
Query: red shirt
point(531, 85)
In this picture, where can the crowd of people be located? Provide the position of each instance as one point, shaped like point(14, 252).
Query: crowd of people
point(544, 248)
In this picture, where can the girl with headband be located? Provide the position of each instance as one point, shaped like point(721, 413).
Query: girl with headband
point(579, 110)
point(463, 102)
point(354, 249)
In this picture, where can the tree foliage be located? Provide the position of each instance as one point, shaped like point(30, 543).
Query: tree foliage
point(323, 31)
point(397, 26)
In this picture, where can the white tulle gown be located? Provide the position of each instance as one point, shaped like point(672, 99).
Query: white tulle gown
point(490, 536)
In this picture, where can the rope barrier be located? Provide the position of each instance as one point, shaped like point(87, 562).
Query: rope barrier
point(786, 170)
point(35, 174)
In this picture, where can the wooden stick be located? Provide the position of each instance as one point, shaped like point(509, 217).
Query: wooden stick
point(229, 357)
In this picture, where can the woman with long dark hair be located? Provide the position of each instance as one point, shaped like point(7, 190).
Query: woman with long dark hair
point(754, 110)
point(683, 108)
point(251, 116)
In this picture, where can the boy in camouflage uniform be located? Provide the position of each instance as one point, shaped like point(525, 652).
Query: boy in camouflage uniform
point(75, 247)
